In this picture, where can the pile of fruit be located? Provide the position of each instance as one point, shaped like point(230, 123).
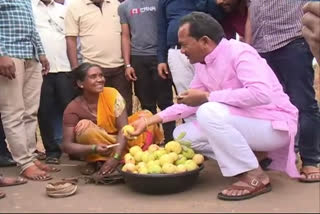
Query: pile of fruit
point(176, 157)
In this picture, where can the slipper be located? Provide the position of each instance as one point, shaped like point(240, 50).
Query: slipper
point(255, 188)
point(308, 173)
point(13, 182)
point(45, 167)
point(52, 160)
point(2, 195)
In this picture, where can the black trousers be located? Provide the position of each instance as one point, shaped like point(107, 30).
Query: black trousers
point(152, 90)
point(3, 145)
point(56, 93)
point(293, 66)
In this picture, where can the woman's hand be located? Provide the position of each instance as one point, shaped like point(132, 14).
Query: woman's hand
point(103, 150)
point(139, 126)
point(109, 166)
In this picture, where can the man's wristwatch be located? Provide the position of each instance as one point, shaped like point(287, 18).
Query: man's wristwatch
point(128, 66)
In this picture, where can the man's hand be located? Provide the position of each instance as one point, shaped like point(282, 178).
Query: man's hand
point(131, 74)
point(7, 67)
point(45, 64)
point(139, 127)
point(193, 97)
point(311, 27)
point(163, 70)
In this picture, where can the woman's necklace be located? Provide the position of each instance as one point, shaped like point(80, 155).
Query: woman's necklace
point(88, 106)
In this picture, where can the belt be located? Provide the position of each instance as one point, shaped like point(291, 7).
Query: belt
point(175, 46)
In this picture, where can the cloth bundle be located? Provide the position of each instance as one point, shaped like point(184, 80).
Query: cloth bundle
point(61, 189)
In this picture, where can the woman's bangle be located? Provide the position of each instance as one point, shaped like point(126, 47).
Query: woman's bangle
point(94, 149)
point(146, 122)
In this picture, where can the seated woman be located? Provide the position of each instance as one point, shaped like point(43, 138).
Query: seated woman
point(93, 121)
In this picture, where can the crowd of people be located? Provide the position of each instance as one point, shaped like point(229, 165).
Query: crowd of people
point(242, 71)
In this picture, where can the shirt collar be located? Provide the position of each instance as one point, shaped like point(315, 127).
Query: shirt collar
point(37, 2)
point(215, 52)
point(90, 2)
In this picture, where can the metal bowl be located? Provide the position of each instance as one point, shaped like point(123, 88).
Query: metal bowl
point(161, 183)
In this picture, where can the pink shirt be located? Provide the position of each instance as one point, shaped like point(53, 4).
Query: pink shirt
point(234, 74)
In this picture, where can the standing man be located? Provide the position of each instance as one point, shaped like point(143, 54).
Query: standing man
point(170, 13)
point(139, 47)
point(277, 36)
point(20, 84)
point(97, 24)
point(57, 90)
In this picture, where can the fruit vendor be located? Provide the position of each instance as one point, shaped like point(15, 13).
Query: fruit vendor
point(240, 108)
point(92, 121)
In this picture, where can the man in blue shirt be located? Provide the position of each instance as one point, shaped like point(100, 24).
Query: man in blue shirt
point(170, 13)
point(20, 80)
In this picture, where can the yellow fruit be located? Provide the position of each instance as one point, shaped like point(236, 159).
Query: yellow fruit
point(188, 153)
point(190, 165)
point(154, 168)
point(174, 156)
point(157, 162)
point(181, 160)
point(128, 158)
point(141, 164)
point(143, 170)
point(146, 157)
point(173, 146)
point(126, 130)
point(198, 159)
point(130, 167)
point(133, 150)
point(159, 153)
point(181, 168)
point(153, 148)
point(138, 156)
point(169, 168)
point(124, 168)
point(165, 159)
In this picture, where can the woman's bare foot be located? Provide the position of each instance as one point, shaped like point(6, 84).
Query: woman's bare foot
point(250, 184)
point(35, 174)
point(45, 167)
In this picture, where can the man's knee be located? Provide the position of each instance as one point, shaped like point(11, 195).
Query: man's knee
point(213, 112)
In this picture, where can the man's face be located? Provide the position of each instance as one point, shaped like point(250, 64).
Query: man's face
point(228, 5)
point(191, 47)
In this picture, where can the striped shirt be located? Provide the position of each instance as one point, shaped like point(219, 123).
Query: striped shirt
point(18, 35)
point(275, 23)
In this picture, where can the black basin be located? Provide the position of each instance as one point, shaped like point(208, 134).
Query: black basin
point(161, 183)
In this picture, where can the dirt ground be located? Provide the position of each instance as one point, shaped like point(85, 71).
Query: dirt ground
point(287, 196)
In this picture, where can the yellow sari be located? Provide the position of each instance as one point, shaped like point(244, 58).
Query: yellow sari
point(110, 106)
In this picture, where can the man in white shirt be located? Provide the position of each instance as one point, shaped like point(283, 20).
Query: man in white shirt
point(57, 90)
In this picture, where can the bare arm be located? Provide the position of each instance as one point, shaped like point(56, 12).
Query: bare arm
point(72, 51)
point(121, 121)
point(125, 43)
point(70, 146)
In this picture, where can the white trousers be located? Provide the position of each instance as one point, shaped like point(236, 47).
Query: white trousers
point(231, 139)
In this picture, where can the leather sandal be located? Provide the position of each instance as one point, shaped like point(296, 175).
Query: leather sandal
point(313, 170)
point(255, 187)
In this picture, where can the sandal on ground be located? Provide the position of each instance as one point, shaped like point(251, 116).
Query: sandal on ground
point(45, 167)
point(52, 160)
point(36, 174)
point(2, 195)
point(61, 189)
point(8, 181)
point(307, 172)
point(255, 187)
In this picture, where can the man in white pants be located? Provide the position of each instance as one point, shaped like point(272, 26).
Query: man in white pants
point(240, 108)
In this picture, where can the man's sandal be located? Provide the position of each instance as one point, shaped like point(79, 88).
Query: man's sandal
point(312, 170)
point(8, 181)
point(255, 187)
